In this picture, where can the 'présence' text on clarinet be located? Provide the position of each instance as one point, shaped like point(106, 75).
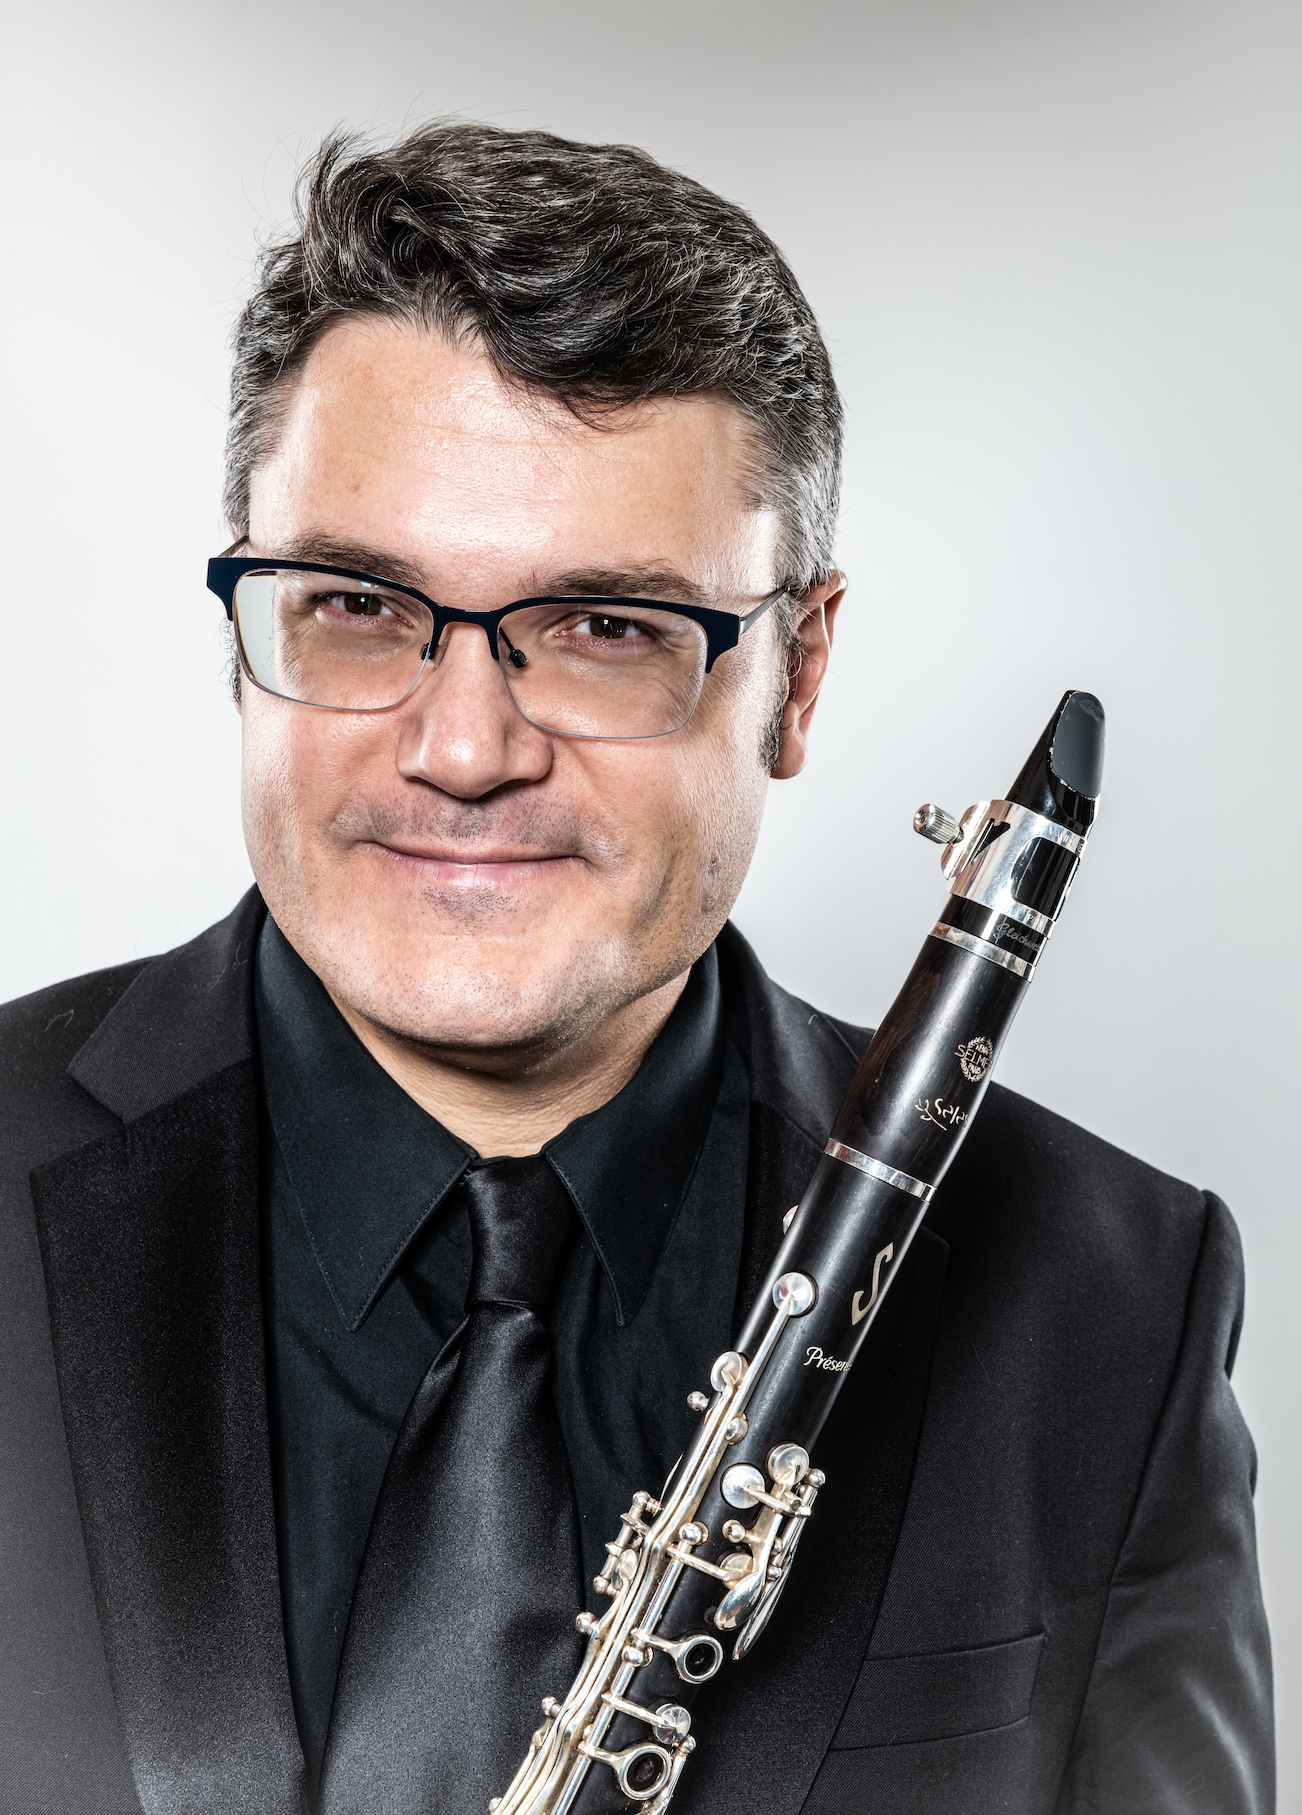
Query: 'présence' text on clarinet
point(694, 1575)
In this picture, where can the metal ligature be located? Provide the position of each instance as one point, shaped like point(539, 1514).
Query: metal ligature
point(694, 1574)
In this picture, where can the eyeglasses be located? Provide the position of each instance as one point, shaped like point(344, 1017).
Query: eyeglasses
point(576, 665)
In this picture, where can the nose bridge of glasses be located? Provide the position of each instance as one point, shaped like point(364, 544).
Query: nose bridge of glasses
point(449, 618)
point(456, 681)
point(502, 653)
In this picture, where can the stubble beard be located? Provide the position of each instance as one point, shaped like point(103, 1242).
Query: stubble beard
point(461, 981)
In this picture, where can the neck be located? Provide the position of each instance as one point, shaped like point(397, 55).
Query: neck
point(505, 1110)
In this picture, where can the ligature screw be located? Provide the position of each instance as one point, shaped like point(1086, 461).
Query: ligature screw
point(935, 823)
point(698, 1402)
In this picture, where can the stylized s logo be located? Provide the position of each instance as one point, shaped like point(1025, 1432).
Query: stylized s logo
point(858, 1311)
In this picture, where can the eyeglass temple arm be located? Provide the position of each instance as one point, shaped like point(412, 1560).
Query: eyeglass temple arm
point(753, 617)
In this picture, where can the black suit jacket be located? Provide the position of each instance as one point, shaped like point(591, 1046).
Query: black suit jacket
point(1030, 1584)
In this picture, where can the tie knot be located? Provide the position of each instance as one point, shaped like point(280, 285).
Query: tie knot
point(520, 1221)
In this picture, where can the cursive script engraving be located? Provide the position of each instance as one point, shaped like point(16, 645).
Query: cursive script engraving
point(815, 1358)
point(942, 1114)
point(859, 1311)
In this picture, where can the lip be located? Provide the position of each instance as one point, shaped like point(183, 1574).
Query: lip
point(490, 867)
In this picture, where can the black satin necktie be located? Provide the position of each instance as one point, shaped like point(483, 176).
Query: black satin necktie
point(464, 1613)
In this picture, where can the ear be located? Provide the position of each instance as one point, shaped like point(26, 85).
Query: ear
point(807, 664)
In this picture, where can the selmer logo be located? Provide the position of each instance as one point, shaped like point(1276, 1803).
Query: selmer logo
point(975, 1058)
point(859, 1310)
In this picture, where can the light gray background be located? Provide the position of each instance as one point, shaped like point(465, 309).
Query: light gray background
point(1055, 251)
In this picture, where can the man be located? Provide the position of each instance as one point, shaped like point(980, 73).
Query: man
point(362, 1253)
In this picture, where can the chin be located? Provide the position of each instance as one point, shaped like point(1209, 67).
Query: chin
point(474, 996)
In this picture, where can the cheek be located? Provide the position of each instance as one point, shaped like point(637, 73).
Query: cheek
point(297, 767)
point(731, 805)
point(733, 727)
point(699, 799)
point(729, 813)
point(266, 781)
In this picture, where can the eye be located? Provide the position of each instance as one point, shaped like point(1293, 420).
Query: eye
point(604, 627)
point(356, 604)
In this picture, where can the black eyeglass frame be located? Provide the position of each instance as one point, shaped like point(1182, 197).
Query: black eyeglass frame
point(723, 629)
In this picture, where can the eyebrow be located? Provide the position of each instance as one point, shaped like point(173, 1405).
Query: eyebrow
point(638, 582)
point(645, 580)
point(327, 552)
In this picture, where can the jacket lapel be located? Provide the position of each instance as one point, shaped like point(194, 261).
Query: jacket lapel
point(776, 1717)
point(149, 1238)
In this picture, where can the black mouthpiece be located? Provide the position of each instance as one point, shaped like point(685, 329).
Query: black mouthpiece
point(1063, 775)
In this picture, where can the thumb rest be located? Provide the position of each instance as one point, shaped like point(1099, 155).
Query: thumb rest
point(698, 1571)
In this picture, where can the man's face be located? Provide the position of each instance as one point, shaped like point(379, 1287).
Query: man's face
point(453, 874)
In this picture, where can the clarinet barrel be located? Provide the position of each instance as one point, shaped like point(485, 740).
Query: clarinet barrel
point(694, 1575)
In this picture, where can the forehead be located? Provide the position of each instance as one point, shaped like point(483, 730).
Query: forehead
point(394, 437)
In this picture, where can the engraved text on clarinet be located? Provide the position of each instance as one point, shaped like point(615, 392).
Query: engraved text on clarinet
point(942, 1114)
point(860, 1310)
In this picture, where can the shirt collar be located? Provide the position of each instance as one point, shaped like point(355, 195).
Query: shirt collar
point(627, 1166)
point(369, 1166)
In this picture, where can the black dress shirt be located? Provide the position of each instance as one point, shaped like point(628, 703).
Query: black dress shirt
point(366, 1247)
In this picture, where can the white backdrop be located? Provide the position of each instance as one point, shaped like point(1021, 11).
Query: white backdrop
point(1055, 251)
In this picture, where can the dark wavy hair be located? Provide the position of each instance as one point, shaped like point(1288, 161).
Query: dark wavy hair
point(589, 272)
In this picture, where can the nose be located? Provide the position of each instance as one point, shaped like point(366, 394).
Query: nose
point(461, 730)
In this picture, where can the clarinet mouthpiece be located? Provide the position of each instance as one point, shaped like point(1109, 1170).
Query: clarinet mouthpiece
point(1063, 776)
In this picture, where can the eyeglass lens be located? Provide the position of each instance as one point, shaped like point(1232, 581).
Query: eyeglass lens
point(582, 668)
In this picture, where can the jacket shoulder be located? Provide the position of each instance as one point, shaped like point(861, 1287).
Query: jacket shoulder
point(1020, 1151)
point(100, 1050)
point(1052, 1229)
point(40, 1034)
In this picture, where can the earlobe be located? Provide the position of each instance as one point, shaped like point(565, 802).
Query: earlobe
point(793, 748)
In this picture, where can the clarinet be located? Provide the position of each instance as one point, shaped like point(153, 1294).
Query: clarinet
point(698, 1571)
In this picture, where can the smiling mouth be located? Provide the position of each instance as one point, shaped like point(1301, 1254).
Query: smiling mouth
point(490, 867)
